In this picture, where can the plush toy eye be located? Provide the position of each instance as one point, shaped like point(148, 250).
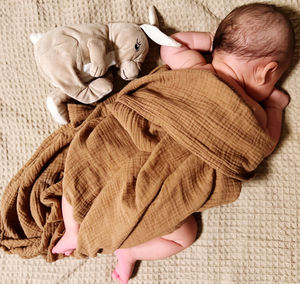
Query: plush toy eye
point(137, 45)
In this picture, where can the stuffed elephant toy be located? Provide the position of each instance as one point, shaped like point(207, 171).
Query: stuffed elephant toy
point(75, 59)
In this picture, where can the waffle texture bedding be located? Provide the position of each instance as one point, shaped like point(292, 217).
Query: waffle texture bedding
point(253, 240)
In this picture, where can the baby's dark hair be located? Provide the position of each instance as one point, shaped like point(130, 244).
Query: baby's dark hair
point(254, 31)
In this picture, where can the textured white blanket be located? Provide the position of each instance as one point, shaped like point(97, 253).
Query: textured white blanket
point(254, 240)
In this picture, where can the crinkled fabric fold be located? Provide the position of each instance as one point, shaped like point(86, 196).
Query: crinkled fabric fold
point(169, 144)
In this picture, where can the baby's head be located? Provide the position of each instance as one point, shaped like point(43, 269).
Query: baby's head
point(261, 39)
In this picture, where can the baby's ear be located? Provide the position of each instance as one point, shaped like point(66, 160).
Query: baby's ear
point(264, 72)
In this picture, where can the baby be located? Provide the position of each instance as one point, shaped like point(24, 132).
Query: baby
point(252, 48)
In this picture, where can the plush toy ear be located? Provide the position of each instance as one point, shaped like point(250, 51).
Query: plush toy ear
point(153, 19)
point(158, 36)
point(35, 37)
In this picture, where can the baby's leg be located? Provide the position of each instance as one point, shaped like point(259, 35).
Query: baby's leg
point(158, 248)
point(68, 243)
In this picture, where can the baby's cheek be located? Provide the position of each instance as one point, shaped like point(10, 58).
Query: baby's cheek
point(258, 93)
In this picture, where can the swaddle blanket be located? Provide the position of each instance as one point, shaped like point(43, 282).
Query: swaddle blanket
point(167, 145)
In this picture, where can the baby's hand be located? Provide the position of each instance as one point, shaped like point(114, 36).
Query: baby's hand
point(277, 99)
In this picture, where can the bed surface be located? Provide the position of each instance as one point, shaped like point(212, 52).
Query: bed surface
point(253, 240)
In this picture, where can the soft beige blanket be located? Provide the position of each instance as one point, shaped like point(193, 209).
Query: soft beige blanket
point(253, 240)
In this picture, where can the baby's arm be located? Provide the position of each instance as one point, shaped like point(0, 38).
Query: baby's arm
point(187, 55)
point(274, 106)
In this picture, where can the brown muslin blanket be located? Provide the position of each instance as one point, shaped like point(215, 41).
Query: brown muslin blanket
point(135, 166)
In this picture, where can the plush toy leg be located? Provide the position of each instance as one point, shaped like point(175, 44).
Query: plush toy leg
point(57, 105)
point(100, 86)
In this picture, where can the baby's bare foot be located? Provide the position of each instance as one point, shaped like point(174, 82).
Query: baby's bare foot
point(125, 265)
point(67, 244)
